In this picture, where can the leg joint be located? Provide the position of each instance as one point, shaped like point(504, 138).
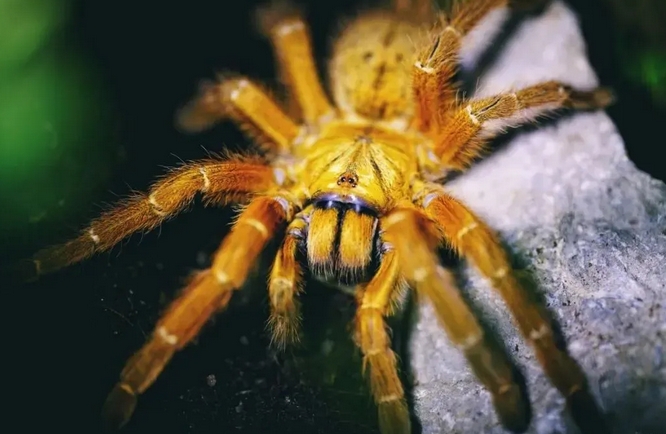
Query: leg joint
point(540, 333)
point(156, 207)
point(167, 337)
point(466, 229)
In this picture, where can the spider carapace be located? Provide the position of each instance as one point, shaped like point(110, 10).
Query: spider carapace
point(349, 184)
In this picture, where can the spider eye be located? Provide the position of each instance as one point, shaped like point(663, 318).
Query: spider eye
point(367, 56)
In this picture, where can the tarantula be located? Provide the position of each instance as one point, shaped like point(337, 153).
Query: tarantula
point(349, 184)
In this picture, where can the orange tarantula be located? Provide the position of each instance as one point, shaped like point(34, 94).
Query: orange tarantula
point(348, 184)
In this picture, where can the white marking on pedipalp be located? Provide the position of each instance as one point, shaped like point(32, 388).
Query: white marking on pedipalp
point(242, 83)
point(287, 28)
point(296, 233)
point(284, 203)
point(538, 334)
point(38, 266)
point(167, 337)
point(93, 236)
point(222, 277)
point(429, 198)
point(470, 227)
point(561, 90)
point(499, 274)
point(472, 117)
point(471, 341)
point(389, 398)
point(156, 206)
point(282, 282)
point(206, 181)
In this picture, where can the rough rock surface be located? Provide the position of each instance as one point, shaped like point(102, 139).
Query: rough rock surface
point(592, 229)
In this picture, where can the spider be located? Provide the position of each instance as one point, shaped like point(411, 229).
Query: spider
point(350, 184)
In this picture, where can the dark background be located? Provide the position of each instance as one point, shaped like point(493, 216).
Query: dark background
point(68, 335)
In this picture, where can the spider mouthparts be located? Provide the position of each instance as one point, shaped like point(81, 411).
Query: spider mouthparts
point(118, 407)
point(347, 201)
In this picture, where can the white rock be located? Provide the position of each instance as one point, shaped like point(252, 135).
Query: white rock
point(592, 228)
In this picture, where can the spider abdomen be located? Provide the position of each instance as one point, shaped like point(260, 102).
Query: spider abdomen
point(371, 67)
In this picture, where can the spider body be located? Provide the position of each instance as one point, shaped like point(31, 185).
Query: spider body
point(349, 187)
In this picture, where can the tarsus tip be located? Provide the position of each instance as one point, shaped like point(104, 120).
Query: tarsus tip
point(118, 407)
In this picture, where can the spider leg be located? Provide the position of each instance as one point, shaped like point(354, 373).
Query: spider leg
point(411, 233)
point(290, 37)
point(472, 238)
point(432, 80)
point(220, 182)
point(372, 337)
point(248, 105)
point(462, 139)
point(284, 286)
point(208, 293)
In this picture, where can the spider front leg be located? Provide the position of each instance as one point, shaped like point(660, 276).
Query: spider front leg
point(284, 285)
point(290, 37)
point(208, 293)
point(412, 234)
point(248, 105)
point(471, 126)
point(473, 239)
point(220, 182)
point(373, 340)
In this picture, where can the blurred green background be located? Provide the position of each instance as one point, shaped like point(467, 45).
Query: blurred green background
point(54, 117)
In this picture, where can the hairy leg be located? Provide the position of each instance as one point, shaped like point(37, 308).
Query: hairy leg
point(290, 37)
point(208, 293)
point(471, 125)
point(433, 87)
point(411, 233)
point(248, 105)
point(220, 182)
point(373, 340)
point(473, 239)
point(284, 285)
